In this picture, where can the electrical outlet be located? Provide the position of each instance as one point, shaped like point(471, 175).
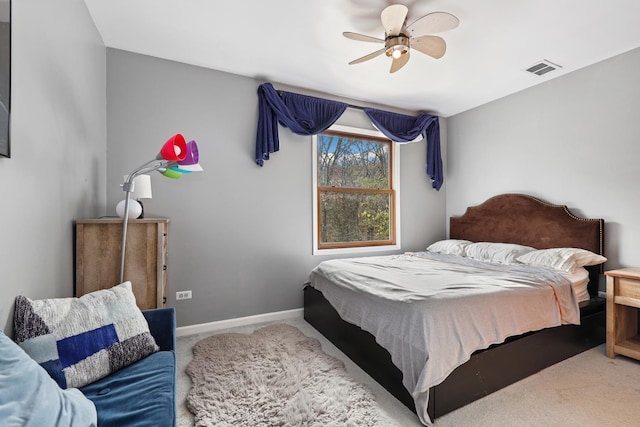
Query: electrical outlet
point(183, 295)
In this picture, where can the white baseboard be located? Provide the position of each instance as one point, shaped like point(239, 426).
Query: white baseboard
point(240, 321)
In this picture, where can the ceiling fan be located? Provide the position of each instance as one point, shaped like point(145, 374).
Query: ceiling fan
point(400, 38)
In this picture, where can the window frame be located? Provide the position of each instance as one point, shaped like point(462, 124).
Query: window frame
point(394, 178)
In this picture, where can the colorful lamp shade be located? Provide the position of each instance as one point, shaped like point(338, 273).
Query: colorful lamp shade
point(174, 150)
point(190, 162)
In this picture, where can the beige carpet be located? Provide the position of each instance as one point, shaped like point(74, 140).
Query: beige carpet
point(587, 390)
point(275, 376)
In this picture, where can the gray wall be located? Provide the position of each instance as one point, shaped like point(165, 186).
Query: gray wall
point(240, 235)
point(572, 140)
point(57, 172)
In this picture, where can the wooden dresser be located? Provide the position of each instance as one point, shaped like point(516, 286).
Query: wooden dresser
point(97, 257)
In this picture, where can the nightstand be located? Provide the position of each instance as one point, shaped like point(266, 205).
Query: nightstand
point(98, 245)
point(623, 303)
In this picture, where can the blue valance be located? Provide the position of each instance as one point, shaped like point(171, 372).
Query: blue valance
point(402, 128)
point(303, 114)
point(308, 115)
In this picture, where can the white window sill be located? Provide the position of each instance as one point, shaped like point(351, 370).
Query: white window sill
point(360, 250)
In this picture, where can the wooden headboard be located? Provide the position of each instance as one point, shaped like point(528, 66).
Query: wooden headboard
point(525, 220)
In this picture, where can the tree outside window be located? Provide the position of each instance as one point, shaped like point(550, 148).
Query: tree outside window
point(355, 193)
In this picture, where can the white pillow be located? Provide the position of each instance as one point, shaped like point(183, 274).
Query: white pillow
point(565, 259)
point(501, 253)
point(449, 246)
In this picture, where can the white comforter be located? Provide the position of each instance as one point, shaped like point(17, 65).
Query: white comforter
point(431, 312)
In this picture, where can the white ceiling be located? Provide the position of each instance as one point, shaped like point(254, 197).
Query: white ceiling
point(299, 43)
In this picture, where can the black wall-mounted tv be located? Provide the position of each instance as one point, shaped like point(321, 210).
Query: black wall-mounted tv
point(5, 76)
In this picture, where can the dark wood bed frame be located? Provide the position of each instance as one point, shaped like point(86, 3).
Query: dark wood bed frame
point(510, 218)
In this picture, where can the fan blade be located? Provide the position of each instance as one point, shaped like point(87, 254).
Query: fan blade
point(432, 23)
point(368, 57)
point(361, 37)
point(393, 18)
point(399, 62)
point(433, 46)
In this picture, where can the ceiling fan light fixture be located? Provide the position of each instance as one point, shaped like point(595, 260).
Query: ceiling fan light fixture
point(400, 38)
point(397, 51)
point(396, 46)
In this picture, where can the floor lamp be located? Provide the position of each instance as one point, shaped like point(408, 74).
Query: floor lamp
point(176, 157)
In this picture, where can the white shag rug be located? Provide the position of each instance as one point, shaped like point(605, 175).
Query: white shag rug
point(275, 376)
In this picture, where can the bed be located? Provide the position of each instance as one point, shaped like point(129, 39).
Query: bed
point(510, 219)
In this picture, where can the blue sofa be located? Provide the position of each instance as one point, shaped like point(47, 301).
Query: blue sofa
point(141, 394)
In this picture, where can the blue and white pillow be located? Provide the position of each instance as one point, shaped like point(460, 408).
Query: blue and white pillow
point(80, 340)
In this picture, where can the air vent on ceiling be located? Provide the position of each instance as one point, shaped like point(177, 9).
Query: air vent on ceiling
point(542, 67)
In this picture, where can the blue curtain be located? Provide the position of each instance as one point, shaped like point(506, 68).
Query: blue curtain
point(308, 115)
point(403, 128)
point(302, 114)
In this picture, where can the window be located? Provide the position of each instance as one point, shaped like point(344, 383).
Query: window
point(354, 190)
